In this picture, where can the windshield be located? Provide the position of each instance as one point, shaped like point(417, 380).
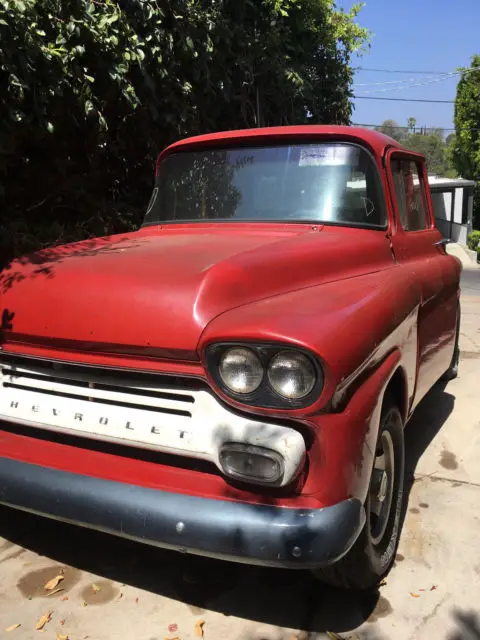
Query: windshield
point(321, 183)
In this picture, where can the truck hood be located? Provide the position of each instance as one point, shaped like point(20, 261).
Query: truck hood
point(152, 292)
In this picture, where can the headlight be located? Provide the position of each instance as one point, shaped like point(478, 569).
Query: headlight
point(291, 375)
point(267, 375)
point(241, 370)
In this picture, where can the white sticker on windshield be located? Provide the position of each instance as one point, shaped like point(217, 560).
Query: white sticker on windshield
point(324, 156)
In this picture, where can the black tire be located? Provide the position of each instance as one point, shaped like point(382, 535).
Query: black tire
point(372, 556)
point(452, 372)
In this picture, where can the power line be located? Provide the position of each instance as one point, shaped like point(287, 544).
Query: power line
point(436, 73)
point(435, 78)
point(403, 87)
point(404, 99)
point(404, 81)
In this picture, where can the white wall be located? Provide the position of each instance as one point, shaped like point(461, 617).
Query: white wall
point(457, 217)
point(442, 207)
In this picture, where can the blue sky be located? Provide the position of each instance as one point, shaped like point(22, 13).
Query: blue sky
point(430, 35)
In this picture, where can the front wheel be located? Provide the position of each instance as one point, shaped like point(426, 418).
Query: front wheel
point(372, 555)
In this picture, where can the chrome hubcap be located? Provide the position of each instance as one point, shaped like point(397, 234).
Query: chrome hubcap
point(381, 487)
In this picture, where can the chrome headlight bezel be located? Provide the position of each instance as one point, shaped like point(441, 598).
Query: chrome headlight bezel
point(265, 395)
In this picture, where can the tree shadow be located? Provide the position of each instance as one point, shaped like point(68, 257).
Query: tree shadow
point(42, 263)
point(291, 599)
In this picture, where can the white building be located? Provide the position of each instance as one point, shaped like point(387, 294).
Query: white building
point(452, 200)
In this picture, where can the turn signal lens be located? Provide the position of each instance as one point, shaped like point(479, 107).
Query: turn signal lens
point(251, 463)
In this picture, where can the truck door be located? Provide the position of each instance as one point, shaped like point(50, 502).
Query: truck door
point(415, 243)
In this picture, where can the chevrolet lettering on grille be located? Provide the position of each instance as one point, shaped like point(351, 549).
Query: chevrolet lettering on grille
point(102, 420)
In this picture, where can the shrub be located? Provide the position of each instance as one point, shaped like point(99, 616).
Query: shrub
point(473, 240)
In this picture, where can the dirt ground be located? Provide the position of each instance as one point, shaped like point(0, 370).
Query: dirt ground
point(117, 589)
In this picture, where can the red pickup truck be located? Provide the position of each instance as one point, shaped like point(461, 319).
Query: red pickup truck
point(233, 379)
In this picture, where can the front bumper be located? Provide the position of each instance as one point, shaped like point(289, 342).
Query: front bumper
point(238, 531)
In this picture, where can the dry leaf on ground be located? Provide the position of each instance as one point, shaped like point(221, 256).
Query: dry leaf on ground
point(84, 604)
point(414, 595)
point(41, 622)
point(52, 593)
point(199, 628)
point(65, 598)
point(62, 636)
point(51, 584)
point(62, 622)
point(12, 627)
point(175, 638)
point(96, 588)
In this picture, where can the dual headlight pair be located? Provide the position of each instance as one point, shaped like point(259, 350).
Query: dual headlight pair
point(267, 375)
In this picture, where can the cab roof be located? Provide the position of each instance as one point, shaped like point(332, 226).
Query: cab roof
point(376, 141)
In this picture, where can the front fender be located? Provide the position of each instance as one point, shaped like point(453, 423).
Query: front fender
point(343, 450)
point(350, 325)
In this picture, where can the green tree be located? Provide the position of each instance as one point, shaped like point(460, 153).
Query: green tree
point(412, 122)
point(433, 147)
point(91, 91)
point(466, 145)
point(392, 129)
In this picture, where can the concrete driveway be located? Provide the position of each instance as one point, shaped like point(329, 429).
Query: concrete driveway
point(116, 589)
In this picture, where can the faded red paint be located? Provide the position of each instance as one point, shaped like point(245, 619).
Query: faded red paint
point(365, 302)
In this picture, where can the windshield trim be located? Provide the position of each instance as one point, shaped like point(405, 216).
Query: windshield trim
point(285, 221)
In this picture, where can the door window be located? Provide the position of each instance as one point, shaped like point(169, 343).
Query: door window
point(410, 195)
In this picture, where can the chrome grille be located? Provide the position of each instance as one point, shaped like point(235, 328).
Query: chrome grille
point(151, 392)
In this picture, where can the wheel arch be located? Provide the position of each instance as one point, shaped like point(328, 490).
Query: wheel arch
point(397, 391)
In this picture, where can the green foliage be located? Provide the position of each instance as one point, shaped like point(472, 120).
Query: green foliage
point(474, 240)
point(466, 149)
point(91, 90)
point(428, 142)
point(392, 129)
point(433, 147)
